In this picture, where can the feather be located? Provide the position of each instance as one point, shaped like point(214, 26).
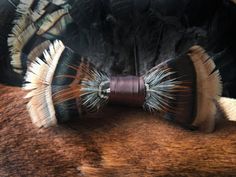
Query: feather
point(28, 24)
point(39, 11)
point(59, 2)
point(86, 12)
point(94, 87)
point(161, 87)
point(209, 88)
point(50, 20)
point(60, 26)
point(39, 82)
point(21, 32)
point(17, 41)
point(38, 50)
point(90, 87)
point(24, 6)
point(228, 106)
point(234, 1)
point(47, 92)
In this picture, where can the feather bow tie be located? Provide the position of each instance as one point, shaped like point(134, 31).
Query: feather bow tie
point(62, 84)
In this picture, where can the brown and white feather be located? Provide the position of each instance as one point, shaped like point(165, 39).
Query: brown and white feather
point(209, 88)
point(39, 84)
point(228, 106)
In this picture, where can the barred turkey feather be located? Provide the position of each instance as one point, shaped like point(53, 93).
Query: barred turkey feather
point(50, 20)
point(38, 50)
point(32, 21)
point(17, 41)
point(24, 7)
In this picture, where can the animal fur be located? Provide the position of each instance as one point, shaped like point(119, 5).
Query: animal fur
point(117, 142)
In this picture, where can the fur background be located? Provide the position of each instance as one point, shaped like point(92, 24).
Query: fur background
point(118, 142)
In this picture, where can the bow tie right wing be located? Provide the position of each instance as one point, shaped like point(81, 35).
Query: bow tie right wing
point(186, 88)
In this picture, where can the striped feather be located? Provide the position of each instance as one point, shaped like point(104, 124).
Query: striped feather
point(50, 20)
point(24, 7)
point(38, 50)
point(16, 41)
point(60, 25)
point(40, 11)
point(26, 26)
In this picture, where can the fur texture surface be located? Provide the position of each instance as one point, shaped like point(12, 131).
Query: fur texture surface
point(118, 142)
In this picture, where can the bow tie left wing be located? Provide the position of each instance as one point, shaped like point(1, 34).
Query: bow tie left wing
point(62, 85)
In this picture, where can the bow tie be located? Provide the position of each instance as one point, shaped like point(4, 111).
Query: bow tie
point(63, 84)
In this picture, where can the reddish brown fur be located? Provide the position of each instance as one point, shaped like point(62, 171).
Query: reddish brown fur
point(118, 142)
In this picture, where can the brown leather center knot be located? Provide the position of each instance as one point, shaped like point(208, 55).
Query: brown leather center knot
point(128, 90)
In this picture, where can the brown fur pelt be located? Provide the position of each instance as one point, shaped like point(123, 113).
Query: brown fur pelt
point(118, 142)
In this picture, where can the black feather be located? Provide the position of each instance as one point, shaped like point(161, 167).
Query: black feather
point(131, 36)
